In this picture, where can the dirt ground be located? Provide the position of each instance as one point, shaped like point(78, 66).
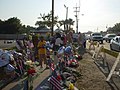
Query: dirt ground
point(92, 78)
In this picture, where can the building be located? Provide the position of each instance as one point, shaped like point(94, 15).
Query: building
point(42, 32)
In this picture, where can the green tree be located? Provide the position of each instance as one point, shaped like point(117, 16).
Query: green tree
point(1, 26)
point(14, 26)
point(67, 23)
point(10, 26)
point(60, 23)
point(114, 29)
point(70, 23)
point(1, 22)
point(26, 29)
point(46, 20)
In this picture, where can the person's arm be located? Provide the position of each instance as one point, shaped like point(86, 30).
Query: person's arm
point(38, 46)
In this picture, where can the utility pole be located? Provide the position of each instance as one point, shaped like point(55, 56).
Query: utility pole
point(52, 17)
point(77, 10)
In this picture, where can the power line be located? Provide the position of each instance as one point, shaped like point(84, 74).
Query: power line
point(77, 10)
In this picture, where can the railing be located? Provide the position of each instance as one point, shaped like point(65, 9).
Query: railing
point(105, 51)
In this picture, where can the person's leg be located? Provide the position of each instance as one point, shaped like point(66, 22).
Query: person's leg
point(41, 60)
point(45, 60)
point(85, 44)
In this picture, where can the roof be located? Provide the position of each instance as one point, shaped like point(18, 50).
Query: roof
point(11, 36)
point(40, 31)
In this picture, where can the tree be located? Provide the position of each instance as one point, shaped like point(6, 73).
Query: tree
point(10, 26)
point(60, 23)
point(69, 22)
point(46, 20)
point(13, 26)
point(1, 22)
point(26, 29)
point(114, 29)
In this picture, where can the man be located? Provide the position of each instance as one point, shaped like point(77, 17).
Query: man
point(70, 37)
point(42, 51)
point(82, 40)
point(58, 41)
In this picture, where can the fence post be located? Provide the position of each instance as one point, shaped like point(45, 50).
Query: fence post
point(113, 68)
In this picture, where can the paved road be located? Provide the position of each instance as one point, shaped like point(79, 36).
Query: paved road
point(110, 60)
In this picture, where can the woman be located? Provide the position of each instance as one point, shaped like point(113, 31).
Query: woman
point(42, 51)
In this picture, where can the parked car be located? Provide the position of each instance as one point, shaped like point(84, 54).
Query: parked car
point(115, 43)
point(96, 37)
point(108, 37)
point(87, 36)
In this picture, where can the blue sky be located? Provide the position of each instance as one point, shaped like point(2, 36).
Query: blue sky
point(97, 13)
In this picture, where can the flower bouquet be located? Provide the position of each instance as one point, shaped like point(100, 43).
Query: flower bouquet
point(30, 69)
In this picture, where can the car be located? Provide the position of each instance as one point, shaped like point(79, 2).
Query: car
point(115, 43)
point(108, 37)
point(96, 37)
point(87, 36)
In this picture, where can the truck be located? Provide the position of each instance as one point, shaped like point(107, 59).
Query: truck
point(96, 36)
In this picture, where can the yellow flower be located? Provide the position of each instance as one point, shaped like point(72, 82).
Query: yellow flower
point(71, 86)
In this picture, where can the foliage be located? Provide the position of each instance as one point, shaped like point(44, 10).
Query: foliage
point(13, 26)
point(114, 29)
point(60, 23)
point(26, 29)
point(10, 26)
point(67, 23)
point(46, 20)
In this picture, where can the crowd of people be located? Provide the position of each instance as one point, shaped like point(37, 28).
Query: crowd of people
point(37, 48)
point(41, 44)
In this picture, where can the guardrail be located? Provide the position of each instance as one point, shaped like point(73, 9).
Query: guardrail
point(105, 51)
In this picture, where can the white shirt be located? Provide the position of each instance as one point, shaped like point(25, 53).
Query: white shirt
point(58, 41)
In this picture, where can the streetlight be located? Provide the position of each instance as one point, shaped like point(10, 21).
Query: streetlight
point(66, 16)
point(66, 11)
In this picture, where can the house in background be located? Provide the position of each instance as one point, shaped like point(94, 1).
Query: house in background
point(45, 31)
point(42, 32)
point(59, 31)
point(9, 40)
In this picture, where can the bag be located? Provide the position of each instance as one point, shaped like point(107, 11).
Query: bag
point(9, 68)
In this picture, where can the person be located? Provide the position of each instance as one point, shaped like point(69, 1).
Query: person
point(35, 43)
point(70, 38)
point(64, 39)
point(79, 38)
point(82, 40)
point(42, 51)
point(58, 42)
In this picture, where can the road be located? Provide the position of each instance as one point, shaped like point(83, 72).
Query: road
point(106, 45)
point(110, 61)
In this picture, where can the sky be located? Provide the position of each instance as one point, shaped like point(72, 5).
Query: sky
point(97, 13)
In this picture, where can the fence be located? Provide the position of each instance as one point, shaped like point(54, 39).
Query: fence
point(105, 51)
point(12, 36)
